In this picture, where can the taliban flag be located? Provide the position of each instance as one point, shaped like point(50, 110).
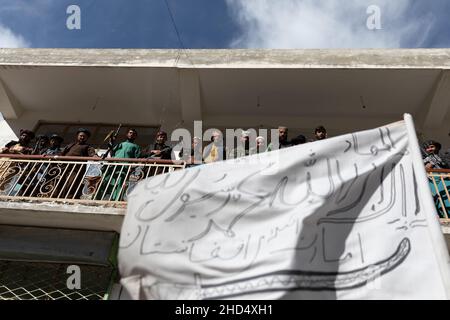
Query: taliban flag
point(349, 217)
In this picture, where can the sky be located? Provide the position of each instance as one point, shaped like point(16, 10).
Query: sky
point(226, 24)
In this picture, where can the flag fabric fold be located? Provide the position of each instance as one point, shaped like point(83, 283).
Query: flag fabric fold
point(349, 217)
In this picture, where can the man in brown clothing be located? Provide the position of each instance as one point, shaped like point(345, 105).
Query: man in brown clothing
point(22, 146)
point(80, 148)
point(72, 187)
point(13, 174)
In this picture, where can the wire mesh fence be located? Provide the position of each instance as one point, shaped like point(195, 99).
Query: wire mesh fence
point(48, 281)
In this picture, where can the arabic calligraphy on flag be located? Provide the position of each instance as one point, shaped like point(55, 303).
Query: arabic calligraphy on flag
point(349, 217)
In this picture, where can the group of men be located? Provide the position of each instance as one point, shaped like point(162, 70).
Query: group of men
point(129, 149)
point(71, 179)
point(44, 146)
point(49, 146)
point(52, 145)
point(216, 151)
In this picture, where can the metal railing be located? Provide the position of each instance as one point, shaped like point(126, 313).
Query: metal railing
point(76, 178)
point(439, 180)
point(83, 179)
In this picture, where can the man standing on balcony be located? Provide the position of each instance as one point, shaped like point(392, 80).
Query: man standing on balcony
point(215, 151)
point(160, 150)
point(42, 145)
point(260, 146)
point(112, 185)
point(439, 187)
point(71, 185)
point(55, 146)
point(282, 139)
point(432, 160)
point(127, 149)
point(22, 146)
point(80, 148)
point(11, 173)
point(243, 147)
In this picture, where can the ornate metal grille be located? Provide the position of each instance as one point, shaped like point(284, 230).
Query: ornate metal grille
point(41, 178)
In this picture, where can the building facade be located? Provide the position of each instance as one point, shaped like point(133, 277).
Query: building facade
point(45, 230)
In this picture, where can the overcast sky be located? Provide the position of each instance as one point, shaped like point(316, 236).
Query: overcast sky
point(226, 24)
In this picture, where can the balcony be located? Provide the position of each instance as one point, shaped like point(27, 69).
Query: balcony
point(97, 183)
point(71, 192)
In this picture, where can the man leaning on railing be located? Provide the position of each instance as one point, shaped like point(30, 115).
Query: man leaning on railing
point(55, 146)
point(22, 146)
point(11, 177)
point(431, 158)
point(439, 185)
point(159, 150)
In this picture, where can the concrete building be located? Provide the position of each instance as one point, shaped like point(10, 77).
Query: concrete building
point(59, 90)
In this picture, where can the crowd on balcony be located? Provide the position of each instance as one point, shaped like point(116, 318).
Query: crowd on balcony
point(433, 156)
point(214, 151)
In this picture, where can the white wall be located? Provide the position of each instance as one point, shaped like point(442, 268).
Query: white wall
point(6, 133)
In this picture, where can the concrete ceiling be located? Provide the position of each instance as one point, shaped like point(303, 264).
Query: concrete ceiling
point(49, 88)
point(306, 92)
point(235, 92)
point(298, 88)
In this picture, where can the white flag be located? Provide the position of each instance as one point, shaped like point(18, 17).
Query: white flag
point(349, 217)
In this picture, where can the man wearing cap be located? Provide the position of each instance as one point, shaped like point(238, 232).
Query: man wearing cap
point(80, 148)
point(260, 146)
point(55, 146)
point(215, 151)
point(20, 147)
point(439, 187)
point(195, 157)
point(243, 148)
point(159, 150)
point(432, 160)
point(72, 183)
point(11, 175)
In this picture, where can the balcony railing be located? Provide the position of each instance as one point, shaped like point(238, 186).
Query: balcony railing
point(91, 180)
point(439, 181)
point(76, 179)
